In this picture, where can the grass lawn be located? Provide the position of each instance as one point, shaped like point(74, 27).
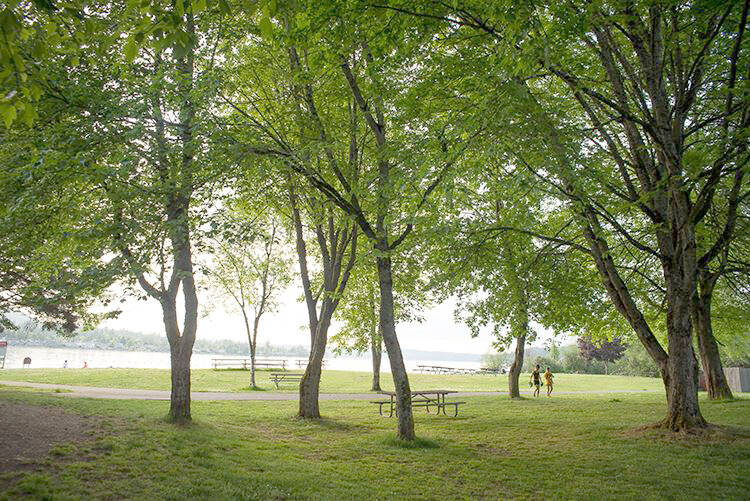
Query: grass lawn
point(568, 447)
point(331, 381)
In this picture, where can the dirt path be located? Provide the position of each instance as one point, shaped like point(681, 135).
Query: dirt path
point(30, 431)
point(131, 394)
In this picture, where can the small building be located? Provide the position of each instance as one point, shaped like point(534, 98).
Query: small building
point(738, 379)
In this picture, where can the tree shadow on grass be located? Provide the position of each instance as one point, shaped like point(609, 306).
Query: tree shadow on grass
point(333, 424)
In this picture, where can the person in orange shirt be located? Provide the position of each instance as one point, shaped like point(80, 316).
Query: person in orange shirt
point(548, 376)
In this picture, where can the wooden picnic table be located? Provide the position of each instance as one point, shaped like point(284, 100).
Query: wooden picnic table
point(303, 363)
point(440, 369)
point(420, 398)
point(244, 363)
point(281, 377)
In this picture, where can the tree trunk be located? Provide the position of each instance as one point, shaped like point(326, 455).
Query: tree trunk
point(716, 381)
point(398, 369)
point(516, 366)
point(376, 346)
point(683, 411)
point(253, 346)
point(179, 408)
point(606, 368)
point(309, 388)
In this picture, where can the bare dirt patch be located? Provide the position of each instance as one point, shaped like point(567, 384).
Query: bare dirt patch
point(29, 432)
point(711, 433)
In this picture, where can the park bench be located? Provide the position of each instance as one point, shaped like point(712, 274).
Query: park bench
point(285, 377)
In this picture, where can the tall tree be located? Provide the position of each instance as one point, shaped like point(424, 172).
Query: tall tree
point(604, 351)
point(656, 124)
point(249, 267)
point(136, 123)
point(336, 240)
point(404, 163)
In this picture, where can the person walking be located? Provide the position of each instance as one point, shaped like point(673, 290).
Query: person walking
point(535, 380)
point(548, 377)
point(65, 364)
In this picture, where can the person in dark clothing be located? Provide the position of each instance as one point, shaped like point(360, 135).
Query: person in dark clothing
point(536, 380)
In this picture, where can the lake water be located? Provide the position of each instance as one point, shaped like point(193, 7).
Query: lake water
point(42, 357)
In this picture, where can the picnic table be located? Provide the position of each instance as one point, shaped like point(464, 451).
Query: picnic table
point(303, 363)
point(420, 398)
point(285, 377)
point(244, 363)
point(440, 369)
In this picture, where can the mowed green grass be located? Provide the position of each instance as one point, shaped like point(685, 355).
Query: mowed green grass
point(568, 447)
point(331, 381)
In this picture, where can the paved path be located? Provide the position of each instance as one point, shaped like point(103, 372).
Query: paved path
point(131, 394)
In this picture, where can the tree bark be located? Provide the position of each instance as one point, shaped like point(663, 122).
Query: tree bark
point(516, 366)
point(680, 277)
point(716, 381)
point(253, 346)
point(398, 369)
point(376, 347)
point(309, 387)
point(179, 408)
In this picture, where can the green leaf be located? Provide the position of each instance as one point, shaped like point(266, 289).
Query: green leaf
point(29, 115)
point(8, 113)
point(266, 28)
point(36, 92)
point(199, 6)
point(130, 50)
point(302, 20)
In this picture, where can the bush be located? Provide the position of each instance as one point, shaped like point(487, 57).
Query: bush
point(543, 362)
point(497, 360)
point(574, 363)
point(635, 362)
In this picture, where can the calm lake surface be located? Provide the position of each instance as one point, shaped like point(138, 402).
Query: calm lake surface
point(42, 357)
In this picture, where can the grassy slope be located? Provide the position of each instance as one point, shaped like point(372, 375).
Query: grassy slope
point(569, 447)
point(332, 381)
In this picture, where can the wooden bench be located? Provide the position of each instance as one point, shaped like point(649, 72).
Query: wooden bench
point(283, 377)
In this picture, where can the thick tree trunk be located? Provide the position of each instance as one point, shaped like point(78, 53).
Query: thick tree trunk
point(398, 369)
point(179, 408)
point(309, 387)
point(516, 366)
point(716, 381)
point(376, 347)
point(683, 411)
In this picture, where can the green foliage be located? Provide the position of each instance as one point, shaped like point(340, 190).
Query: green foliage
point(635, 362)
point(496, 360)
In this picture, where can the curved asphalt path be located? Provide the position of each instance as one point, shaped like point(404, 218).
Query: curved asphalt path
point(132, 394)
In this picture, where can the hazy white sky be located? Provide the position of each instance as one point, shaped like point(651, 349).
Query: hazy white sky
point(288, 326)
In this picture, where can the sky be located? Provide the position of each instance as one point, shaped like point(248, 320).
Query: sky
point(288, 326)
